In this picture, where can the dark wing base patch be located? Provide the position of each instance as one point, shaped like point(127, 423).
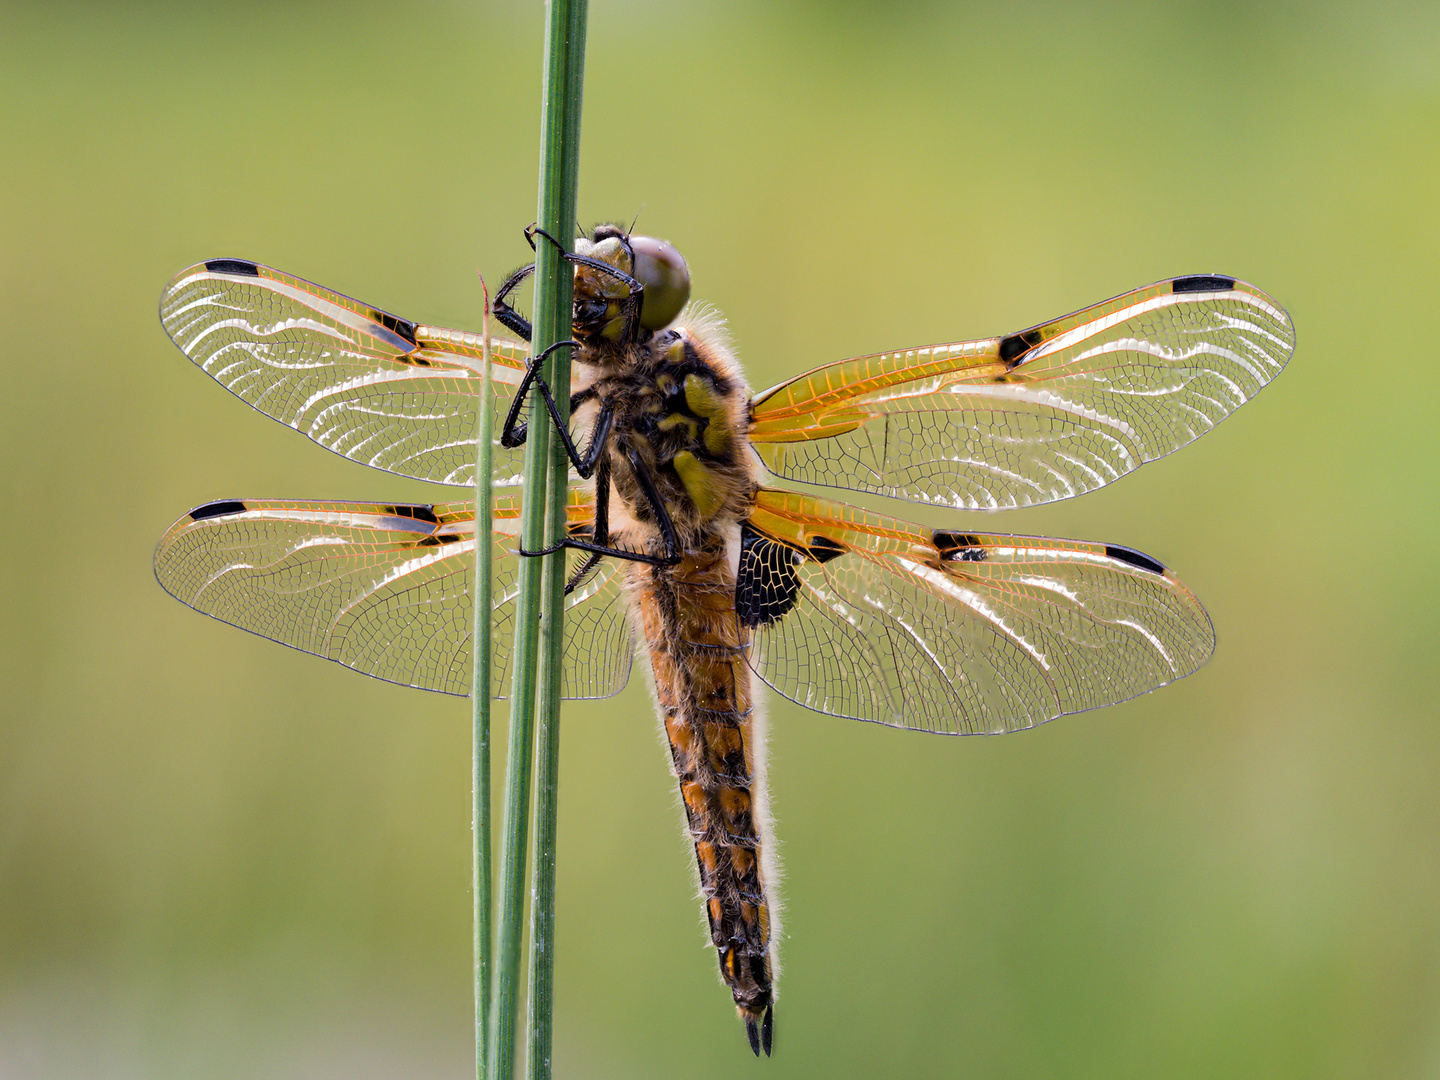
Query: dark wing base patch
point(768, 579)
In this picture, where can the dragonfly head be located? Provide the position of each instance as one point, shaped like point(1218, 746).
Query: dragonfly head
point(655, 264)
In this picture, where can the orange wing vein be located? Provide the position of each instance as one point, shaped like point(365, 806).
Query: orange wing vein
point(864, 616)
point(1044, 414)
point(371, 386)
point(385, 588)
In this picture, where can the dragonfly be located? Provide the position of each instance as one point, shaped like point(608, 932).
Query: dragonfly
point(687, 547)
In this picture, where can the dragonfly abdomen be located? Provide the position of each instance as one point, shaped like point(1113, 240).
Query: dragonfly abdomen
point(697, 648)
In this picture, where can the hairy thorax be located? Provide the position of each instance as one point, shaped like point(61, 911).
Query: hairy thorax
point(681, 410)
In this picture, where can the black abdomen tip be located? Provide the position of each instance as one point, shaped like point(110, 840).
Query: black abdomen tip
point(233, 266)
point(761, 1031)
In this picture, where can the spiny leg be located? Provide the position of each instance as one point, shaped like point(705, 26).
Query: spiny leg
point(583, 571)
point(662, 520)
point(500, 306)
point(599, 528)
point(514, 433)
point(519, 429)
point(657, 506)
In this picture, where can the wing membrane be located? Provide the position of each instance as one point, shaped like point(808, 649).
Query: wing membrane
point(1050, 412)
point(366, 384)
point(880, 620)
point(385, 589)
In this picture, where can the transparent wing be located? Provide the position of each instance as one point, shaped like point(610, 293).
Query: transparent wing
point(1050, 412)
point(862, 616)
point(372, 387)
point(385, 589)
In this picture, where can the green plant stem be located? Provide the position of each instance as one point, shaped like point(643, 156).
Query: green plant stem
point(542, 522)
point(559, 169)
point(480, 697)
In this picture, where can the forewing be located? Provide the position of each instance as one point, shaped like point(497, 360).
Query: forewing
point(1053, 411)
point(863, 616)
point(385, 589)
point(366, 384)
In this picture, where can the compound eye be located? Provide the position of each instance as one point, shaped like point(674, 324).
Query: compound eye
point(662, 270)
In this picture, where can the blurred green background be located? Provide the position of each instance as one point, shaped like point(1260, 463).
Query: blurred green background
point(220, 858)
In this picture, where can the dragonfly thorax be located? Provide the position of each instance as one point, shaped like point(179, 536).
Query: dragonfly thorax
point(680, 406)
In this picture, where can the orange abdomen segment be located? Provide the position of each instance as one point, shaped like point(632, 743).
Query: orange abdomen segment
point(697, 651)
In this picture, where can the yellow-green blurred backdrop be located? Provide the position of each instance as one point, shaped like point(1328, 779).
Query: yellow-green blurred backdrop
point(220, 858)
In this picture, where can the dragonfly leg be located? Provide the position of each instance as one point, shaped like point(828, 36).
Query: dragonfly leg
point(519, 429)
point(583, 571)
point(514, 432)
point(599, 549)
point(508, 316)
point(600, 545)
point(657, 506)
point(600, 529)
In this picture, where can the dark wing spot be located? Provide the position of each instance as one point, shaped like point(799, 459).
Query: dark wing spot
point(419, 513)
point(1202, 283)
point(959, 547)
point(822, 549)
point(768, 579)
point(217, 509)
point(233, 266)
point(1134, 558)
point(1017, 345)
point(404, 327)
